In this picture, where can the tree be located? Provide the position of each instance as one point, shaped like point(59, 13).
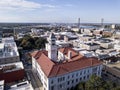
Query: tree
point(97, 83)
point(80, 86)
point(40, 42)
point(29, 43)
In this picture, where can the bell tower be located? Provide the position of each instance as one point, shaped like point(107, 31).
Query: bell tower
point(51, 47)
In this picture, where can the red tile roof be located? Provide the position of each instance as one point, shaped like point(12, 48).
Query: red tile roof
point(52, 69)
point(75, 55)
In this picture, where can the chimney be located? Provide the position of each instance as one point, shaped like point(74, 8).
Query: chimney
point(69, 55)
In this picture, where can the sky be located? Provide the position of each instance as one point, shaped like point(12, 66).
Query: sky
point(60, 11)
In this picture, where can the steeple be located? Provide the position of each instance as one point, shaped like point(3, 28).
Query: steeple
point(51, 47)
point(52, 39)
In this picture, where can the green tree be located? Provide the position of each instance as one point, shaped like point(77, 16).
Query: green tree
point(40, 42)
point(80, 86)
point(29, 43)
point(97, 83)
point(94, 83)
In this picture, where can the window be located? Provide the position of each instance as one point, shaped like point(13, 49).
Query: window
point(81, 73)
point(58, 79)
point(68, 77)
point(88, 71)
point(99, 72)
point(76, 74)
point(53, 43)
point(52, 87)
point(52, 82)
point(72, 75)
point(84, 71)
point(94, 69)
point(63, 78)
point(60, 85)
point(80, 79)
point(68, 82)
point(88, 76)
point(84, 77)
point(72, 81)
point(76, 80)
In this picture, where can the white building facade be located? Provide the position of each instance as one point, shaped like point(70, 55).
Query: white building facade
point(8, 51)
point(67, 71)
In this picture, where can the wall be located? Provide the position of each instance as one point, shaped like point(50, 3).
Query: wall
point(12, 76)
point(9, 60)
point(73, 78)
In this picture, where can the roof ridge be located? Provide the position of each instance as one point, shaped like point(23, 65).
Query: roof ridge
point(65, 69)
point(52, 70)
point(44, 52)
point(59, 68)
point(36, 55)
point(48, 58)
point(39, 53)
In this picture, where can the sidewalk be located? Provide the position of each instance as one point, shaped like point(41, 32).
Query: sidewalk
point(38, 81)
point(34, 80)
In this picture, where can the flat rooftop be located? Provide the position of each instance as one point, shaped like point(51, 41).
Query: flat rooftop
point(11, 67)
point(62, 42)
point(105, 40)
point(92, 44)
point(8, 39)
point(23, 86)
point(9, 48)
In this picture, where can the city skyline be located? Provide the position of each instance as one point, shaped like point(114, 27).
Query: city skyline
point(65, 11)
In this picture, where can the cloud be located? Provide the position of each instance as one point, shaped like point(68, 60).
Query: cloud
point(68, 5)
point(22, 4)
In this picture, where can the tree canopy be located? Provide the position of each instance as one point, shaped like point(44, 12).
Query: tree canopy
point(29, 43)
point(97, 83)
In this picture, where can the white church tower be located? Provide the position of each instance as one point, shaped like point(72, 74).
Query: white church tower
point(51, 47)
